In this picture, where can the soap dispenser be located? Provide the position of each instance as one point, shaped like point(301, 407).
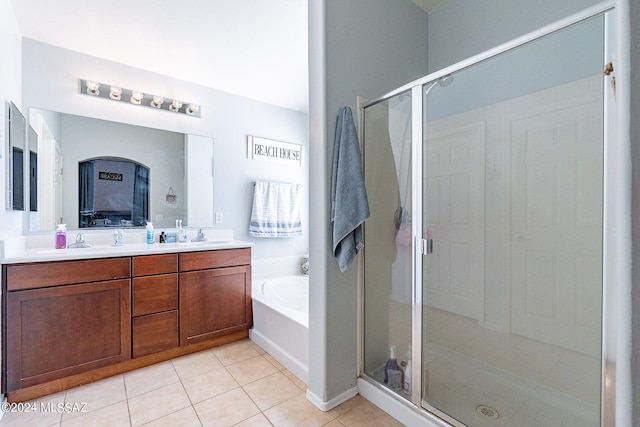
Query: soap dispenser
point(150, 236)
point(61, 236)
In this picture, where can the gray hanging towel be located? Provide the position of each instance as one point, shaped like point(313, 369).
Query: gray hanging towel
point(349, 204)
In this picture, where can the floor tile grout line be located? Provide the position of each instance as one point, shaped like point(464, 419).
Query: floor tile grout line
point(191, 405)
point(278, 369)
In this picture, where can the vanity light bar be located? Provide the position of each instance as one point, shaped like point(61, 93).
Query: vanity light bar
point(136, 97)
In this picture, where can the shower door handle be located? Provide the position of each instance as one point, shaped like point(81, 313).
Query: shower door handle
point(427, 246)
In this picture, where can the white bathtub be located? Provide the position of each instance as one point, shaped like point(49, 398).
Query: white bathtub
point(281, 321)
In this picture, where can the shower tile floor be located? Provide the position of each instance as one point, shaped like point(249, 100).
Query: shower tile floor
point(234, 385)
point(529, 383)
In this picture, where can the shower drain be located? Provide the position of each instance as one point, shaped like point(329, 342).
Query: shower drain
point(487, 411)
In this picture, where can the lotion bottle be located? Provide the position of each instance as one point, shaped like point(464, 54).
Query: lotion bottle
point(407, 373)
point(150, 236)
point(393, 375)
point(61, 236)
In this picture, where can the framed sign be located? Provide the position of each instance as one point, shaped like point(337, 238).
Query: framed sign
point(110, 176)
point(268, 149)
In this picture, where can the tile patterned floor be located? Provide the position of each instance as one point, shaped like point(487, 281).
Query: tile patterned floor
point(233, 385)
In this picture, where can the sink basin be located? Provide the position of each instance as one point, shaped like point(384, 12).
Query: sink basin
point(80, 246)
point(209, 242)
point(74, 250)
point(51, 251)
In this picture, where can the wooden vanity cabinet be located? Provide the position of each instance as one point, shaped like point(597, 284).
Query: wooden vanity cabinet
point(57, 326)
point(155, 304)
point(67, 323)
point(215, 294)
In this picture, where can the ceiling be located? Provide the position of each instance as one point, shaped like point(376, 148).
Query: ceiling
point(427, 5)
point(215, 43)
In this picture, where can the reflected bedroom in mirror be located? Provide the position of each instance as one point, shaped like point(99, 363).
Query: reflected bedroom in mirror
point(96, 173)
point(113, 192)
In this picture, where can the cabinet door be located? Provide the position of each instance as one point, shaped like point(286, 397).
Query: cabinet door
point(56, 332)
point(214, 302)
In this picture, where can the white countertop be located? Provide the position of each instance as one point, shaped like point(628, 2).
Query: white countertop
point(41, 248)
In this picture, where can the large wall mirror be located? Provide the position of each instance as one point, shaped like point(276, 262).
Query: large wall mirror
point(117, 153)
point(16, 160)
point(33, 170)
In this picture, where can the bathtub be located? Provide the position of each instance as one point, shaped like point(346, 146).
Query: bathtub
point(281, 321)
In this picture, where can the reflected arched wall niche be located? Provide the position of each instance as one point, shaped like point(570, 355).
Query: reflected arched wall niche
point(112, 191)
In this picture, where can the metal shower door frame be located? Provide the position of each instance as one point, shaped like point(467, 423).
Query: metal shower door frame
point(611, 264)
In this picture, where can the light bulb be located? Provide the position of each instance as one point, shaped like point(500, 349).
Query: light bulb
point(157, 101)
point(115, 93)
point(192, 109)
point(175, 106)
point(136, 97)
point(93, 87)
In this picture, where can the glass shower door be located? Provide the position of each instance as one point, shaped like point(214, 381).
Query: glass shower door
point(512, 220)
point(388, 251)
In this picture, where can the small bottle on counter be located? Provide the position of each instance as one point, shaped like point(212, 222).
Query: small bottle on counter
point(151, 239)
point(163, 237)
point(61, 236)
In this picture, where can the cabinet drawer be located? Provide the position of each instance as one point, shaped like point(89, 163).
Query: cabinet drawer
point(214, 259)
point(46, 274)
point(155, 264)
point(154, 333)
point(153, 294)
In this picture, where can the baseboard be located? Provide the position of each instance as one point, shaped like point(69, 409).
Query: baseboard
point(292, 364)
point(403, 412)
point(329, 405)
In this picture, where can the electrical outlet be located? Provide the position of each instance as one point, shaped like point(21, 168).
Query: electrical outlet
point(159, 217)
point(219, 218)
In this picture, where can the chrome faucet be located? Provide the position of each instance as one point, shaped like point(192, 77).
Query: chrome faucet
point(80, 241)
point(200, 237)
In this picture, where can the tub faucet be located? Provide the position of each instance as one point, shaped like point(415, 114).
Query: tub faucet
point(200, 237)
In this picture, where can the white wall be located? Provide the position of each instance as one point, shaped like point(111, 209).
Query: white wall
point(634, 88)
point(50, 82)
point(359, 47)
point(12, 223)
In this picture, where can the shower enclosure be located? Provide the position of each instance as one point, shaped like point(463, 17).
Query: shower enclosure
point(483, 264)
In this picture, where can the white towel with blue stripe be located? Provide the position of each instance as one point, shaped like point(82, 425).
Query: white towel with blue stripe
point(276, 210)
